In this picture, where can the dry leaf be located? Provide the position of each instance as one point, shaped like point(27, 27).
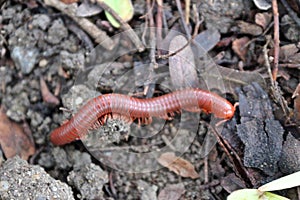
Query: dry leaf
point(224, 42)
point(248, 28)
point(207, 40)
point(48, 97)
point(178, 165)
point(238, 46)
point(14, 140)
point(263, 19)
point(182, 65)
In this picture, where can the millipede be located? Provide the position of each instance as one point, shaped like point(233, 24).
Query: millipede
point(96, 110)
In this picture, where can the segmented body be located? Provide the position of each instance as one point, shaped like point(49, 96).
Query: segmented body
point(193, 100)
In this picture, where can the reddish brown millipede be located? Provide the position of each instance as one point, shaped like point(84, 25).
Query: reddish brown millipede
point(193, 100)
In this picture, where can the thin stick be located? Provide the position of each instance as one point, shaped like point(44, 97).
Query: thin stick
point(159, 19)
point(152, 36)
point(232, 156)
point(70, 10)
point(276, 38)
point(186, 29)
point(124, 25)
point(175, 52)
point(275, 90)
point(290, 65)
point(187, 11)
point(198, 21)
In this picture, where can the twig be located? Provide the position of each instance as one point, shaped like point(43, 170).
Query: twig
point(232, 156)
point(165, 23)
point(111, 184)
point(276, 38)
point(267, 63)
point(186, 29)
point(159, 25)
point(205, 169)
point(290, 65)
point(124, 25)
point(152, 36)
point(275, 90)
point(70, 10)
point(291, 13)
point(187, 11)
point(197, 21)
point(177, 51)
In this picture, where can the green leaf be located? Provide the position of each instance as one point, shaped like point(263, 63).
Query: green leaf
point(272, 196)
point(285, 182)
point(244, 194)
point(123, 8)
point(254, 194)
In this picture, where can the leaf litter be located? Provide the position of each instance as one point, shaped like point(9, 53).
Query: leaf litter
point(14, 139)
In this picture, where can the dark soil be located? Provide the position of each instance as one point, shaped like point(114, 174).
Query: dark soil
point(49, 62)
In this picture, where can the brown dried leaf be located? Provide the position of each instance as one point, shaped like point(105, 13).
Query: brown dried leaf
point(178, 165)
point(48, 97)
point(172, 191)
point(224, 42)
point(263, 19)
point(182, 65)
point(14, 139)
point(238, 46)
point(248, 28)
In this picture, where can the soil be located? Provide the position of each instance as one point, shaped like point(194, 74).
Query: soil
point(51, 66)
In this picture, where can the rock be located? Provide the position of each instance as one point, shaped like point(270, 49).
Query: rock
point(89, 180)
point(57, 32)
point(42, 21)
point(19, 180)
point(24, 58)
